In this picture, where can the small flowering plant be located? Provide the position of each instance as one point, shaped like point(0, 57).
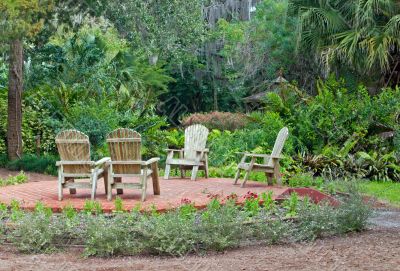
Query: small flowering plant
point(250, 195)
point(213, 196)
point(187, 209)
point(251, 203)
point(232, 197)
point(185, 201)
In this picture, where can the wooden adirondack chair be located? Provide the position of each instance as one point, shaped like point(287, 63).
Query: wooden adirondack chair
point(126, 161)
point(193, 156)
point(270, 164)
point(74, 149)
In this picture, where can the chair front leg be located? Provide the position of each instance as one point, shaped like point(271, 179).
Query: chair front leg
point(60, 183)
point(194, 173)
point(94, 183)
point(144, 184)
point(195, 169)
point(109, 183)
point(237, 175)
point(206, 164)
point(246, 176)
point(167, 165)
point(277, 171)
point(155, 179)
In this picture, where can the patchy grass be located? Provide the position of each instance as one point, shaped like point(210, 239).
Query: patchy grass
point(386, 191)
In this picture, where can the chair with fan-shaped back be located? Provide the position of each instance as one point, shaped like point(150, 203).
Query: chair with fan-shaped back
point(270, 164)
point(193, 155)
point(74, 149)
point(126, 161)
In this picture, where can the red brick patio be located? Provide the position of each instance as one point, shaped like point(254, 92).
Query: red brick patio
point(172, 193)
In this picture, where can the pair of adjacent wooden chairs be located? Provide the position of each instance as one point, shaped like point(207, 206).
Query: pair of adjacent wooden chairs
point(195, 156)
point(125, 161)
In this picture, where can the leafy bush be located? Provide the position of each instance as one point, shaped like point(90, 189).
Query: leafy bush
point(107, 237)
point(95, 120)
point(184, 230)
point(217, 120)
point(42, 164)
point(305, 180)
point(36, 121)
point(35, 232)
point(12, 180)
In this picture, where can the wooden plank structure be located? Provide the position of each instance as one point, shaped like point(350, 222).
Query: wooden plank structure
point(193, 156)
point(126, 161)
point(270, 163)
point(74, 149)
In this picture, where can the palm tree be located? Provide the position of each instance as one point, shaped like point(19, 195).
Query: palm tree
point(361, 34)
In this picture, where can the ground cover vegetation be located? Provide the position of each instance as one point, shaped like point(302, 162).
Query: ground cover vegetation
point(182, 231)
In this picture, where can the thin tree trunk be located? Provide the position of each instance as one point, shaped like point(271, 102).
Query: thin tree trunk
point(14, 133)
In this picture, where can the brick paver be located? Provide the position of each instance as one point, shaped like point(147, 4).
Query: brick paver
point(173, 191)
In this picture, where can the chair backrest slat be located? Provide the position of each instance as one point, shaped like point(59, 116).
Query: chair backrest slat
point(73, 145)
point(124, 145)
point(279, 143)
point(195, 139)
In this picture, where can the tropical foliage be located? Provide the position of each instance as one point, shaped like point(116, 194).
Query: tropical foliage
point(94, 66)
point(364, 35)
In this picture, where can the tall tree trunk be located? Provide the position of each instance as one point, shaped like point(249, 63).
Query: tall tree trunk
point(14, 133)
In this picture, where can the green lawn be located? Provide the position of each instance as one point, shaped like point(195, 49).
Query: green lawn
point(386, 191)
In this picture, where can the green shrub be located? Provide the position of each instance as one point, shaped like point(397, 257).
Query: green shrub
point(305, 180)
point(184, 230)
point(315, 221)
point(32, 163)
point(12, 180)
point(35, 232)
point(217, 120)
point(115, 236)
point(353, 214)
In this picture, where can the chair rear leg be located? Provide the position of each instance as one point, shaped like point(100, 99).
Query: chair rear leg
point(194, 173)
point(120, 191)
point(206, 171)
point(269, 178)
point(72, 191)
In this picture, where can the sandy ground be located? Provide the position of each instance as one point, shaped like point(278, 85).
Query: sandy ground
point(375, 249)
point(378, 249)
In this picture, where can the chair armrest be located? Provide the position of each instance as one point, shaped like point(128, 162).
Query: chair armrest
point(74, 163)
point(260, 155)
point(174, 150)
point(127, 162)
point(102, 161)
point(152, 161)
point(203, 150)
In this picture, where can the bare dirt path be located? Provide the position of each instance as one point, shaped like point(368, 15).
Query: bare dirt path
point(375, 249)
